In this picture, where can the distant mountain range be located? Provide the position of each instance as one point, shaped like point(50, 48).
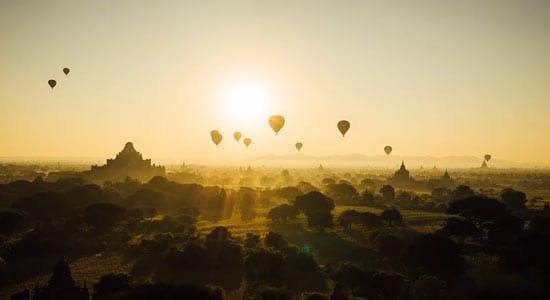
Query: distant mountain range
point(390, 161)
point(309, 161)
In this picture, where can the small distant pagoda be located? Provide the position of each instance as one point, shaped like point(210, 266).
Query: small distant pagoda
point(127, 163)
point(484, 165)
point(446, 180)
point(61, 285)
point(401, 176)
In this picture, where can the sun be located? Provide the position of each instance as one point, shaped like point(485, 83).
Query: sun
point(246, 101)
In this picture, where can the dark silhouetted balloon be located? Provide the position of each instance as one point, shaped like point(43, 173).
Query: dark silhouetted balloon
point(216, 137)
point(247, 142)
point(66, 71)
point(276, 122)
point(343, 126)
point(237, 135)
point(487, 157)
point(298, 146)
point(52, 83)
point(388, 149)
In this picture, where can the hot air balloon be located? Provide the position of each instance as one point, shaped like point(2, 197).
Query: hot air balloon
point(52, 83)
point(216, 137)
point(237, 135)
point(298, 146)
point(276, 122)
point(247, 142)
point(343, 126)
point(487, 157)
point(66, 71)
point(388, 149)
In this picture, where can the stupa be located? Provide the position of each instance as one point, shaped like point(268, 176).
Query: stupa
point(127, 163)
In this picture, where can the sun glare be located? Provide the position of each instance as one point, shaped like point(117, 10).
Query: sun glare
point(246, 101)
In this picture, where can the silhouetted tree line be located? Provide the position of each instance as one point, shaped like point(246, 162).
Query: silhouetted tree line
point(153, 225)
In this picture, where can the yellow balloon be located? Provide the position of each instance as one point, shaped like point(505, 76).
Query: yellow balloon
point(276, 122)
point(247, 142)
point(298, 146)
point(216, 137)
point(237, 135)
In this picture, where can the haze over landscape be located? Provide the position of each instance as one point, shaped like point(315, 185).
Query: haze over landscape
point(437, 78)
point(275, 150)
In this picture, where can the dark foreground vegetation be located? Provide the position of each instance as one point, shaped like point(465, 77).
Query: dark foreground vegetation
point(336, 236)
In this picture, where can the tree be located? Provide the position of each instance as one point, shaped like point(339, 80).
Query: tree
point(343, 193)
point(289, 193)
point(389, 246)
point(328, 181)
point(392, 216)
point(388, 192)
point(265, 266)
point(86, 194)
point(460, 228)
point(369, 219)
point(146, 198)
point(461, 192)
point(306, 187)
point(366, 183)
point(103, 215)
point(435, 254)
point(111, 283)
point(404, 197)
point(366, 198)
point(514, 200)
point(282, 213)
point(478, 209)
point(489, 215)
point(441, 194)
point(252, 240)
point(314, 202)
point(248, 211)
point(348, 218)
point(276, 241)
point(320, 220)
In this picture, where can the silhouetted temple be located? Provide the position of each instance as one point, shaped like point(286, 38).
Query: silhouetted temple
point(484, 165)
point(401, 176)
point(61, 285)
point(127, 163)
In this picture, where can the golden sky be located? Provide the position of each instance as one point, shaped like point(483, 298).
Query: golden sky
point(427, 77)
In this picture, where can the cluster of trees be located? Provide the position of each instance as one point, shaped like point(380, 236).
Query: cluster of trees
point(315, 205)
point(153, 225)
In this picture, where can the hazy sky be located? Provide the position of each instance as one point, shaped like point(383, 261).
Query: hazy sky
point(427, 77)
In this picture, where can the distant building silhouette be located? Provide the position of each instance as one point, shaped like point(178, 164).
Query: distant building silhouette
point(61, 285)
point(484, 165)
point(401, 176)
point(127, 163)
point(444, 182)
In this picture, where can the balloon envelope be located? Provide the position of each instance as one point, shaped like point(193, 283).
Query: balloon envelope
point(66, 71)
point(298, 146)
point(52, 83)
point(276, 122)
point(237, 135)
point(487, 157)
point(388, 150)
point(343, 126)
point(216, 137)
point(247, 142)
